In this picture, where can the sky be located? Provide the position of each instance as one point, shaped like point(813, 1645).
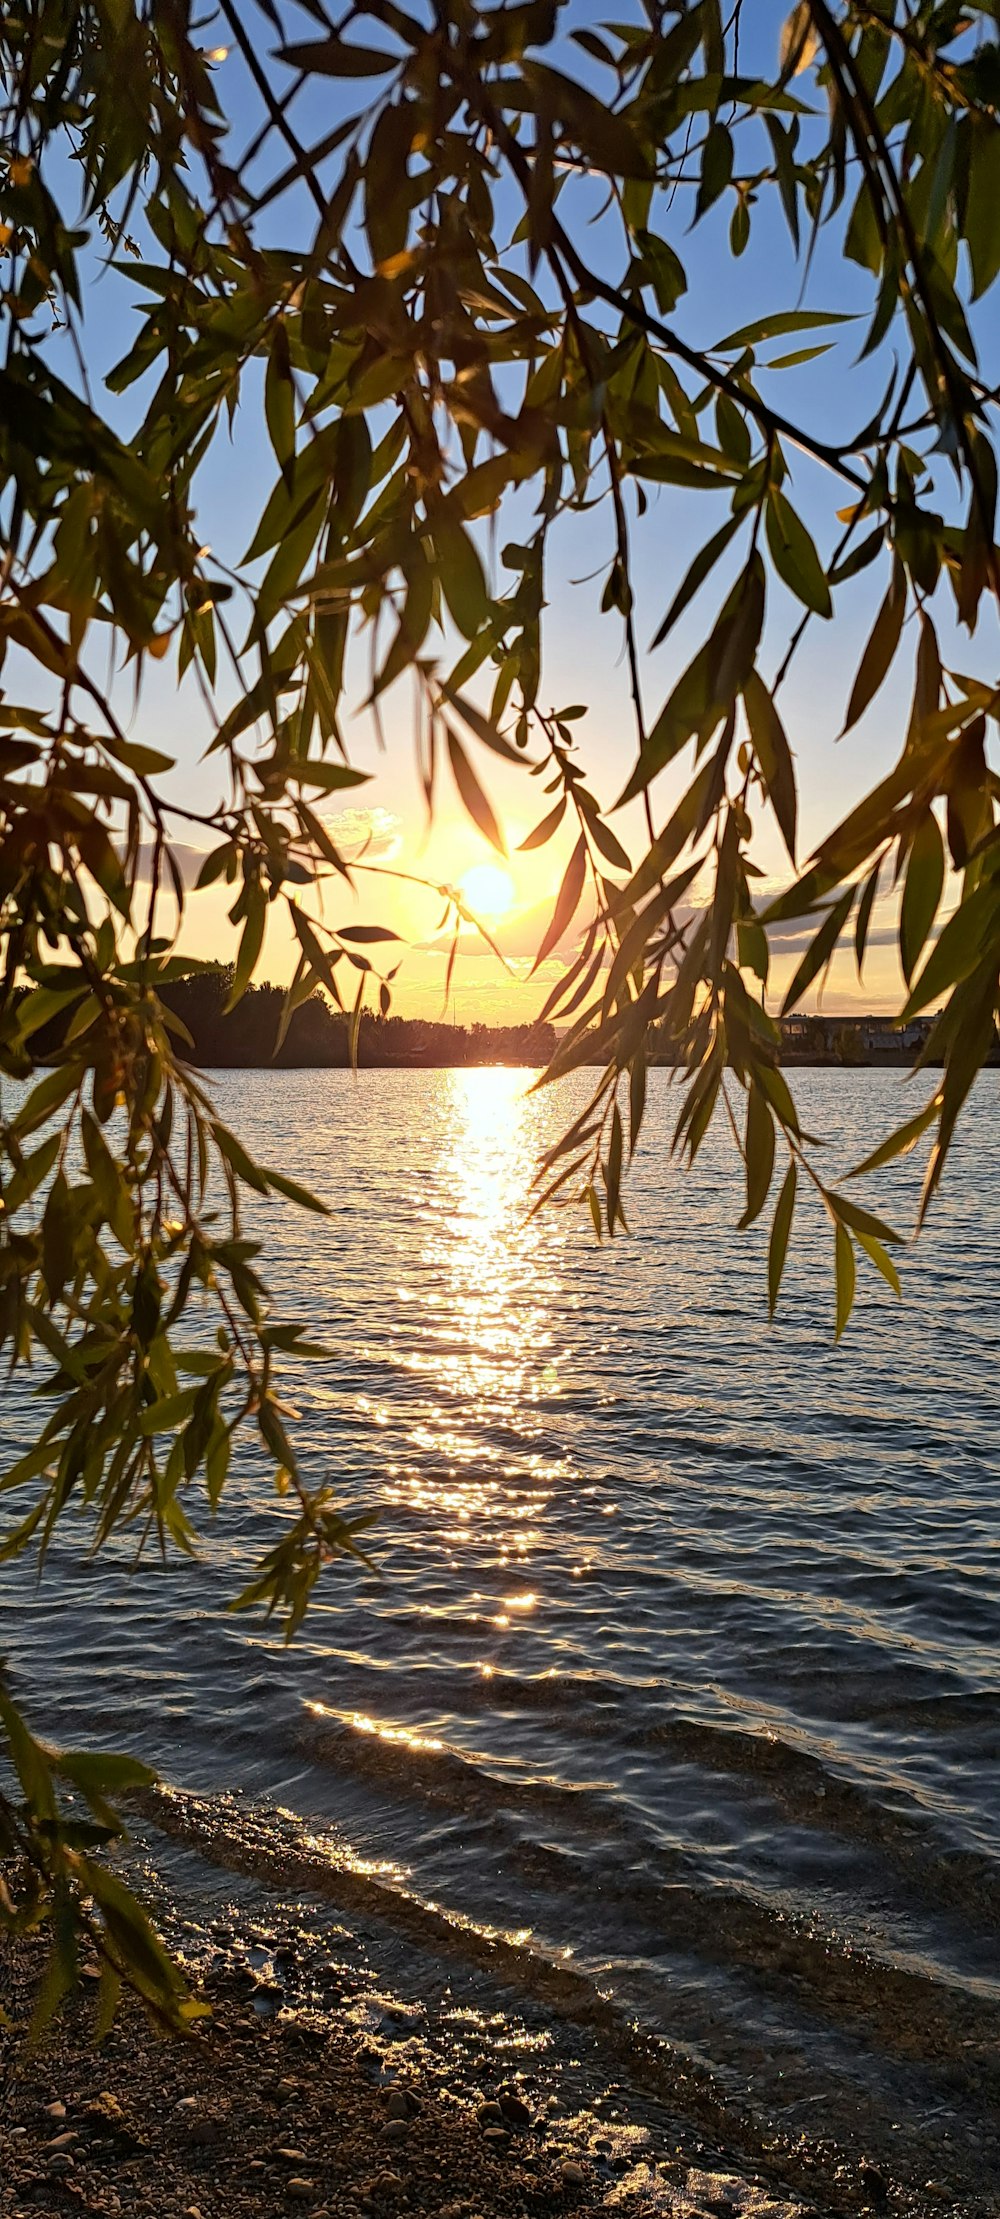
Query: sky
point(583, 650)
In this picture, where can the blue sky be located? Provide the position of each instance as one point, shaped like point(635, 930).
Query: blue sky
point(583, 659)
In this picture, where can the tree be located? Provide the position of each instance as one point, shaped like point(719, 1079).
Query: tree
point(462, 297)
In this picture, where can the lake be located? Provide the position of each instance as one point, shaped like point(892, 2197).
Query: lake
point(678, 1670)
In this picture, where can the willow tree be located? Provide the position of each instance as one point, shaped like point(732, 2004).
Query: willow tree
point(466, 297)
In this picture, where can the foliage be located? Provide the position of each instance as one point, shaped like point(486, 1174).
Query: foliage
point(466, 298)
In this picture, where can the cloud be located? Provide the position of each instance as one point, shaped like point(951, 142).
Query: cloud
point(188, 860)
point(377, 831)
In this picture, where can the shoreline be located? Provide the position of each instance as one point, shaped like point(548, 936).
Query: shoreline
point(381, 2104)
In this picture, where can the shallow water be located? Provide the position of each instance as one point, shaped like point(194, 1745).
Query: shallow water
point(680, 1668)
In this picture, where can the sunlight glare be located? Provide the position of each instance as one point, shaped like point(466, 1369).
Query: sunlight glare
point(487, 890)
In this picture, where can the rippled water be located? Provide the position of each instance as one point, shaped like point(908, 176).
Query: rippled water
point(680, 1669)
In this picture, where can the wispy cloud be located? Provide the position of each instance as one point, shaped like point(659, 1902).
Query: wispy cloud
point(379, 832)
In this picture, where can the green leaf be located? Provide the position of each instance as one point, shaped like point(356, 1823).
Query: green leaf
point(921, 892)
point(759, 1146)
point(704, 562)
point(461, 574)
point(780, 1229)
point(170, 1413)
point(103, 1771)
point(279, 401)
point(773, 755)
point(873, 1248)
point(901, 1141)
point(982, 230)
point(961, 946)
point(603, 134)
point(863, 919)
point(881, 648)
point(845, 1275)
point(819, 950)
point(794, 555)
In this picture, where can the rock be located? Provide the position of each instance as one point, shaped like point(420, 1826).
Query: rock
point(515, 2110)
point(395, 2130)
point(55, 2110)
point(267, 1999)
point(204, 2134)
point(490, 2115)
point(300, 2190)
point(63, 2141)
point(573, 2174)
point(873, 2180)
point(60, 2163)
point(397, 2106)
point(291, 2157)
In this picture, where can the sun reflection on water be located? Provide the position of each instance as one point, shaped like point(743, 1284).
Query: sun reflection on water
point(485, 1339)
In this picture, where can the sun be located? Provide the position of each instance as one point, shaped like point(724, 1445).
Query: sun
point(487, 890)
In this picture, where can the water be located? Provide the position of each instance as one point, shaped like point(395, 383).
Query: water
point(678, 1674)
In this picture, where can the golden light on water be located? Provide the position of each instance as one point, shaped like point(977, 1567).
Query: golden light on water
point(485, 1342)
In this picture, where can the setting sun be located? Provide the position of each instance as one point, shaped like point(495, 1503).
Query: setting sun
point(487, 890)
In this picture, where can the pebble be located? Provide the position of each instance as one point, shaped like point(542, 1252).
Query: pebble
point(301, 2190)
point(490, 2115)
point(55, 2111)
point(515, 2110)
point(397, 2106)
point(573, 2175)
point(395, 2130)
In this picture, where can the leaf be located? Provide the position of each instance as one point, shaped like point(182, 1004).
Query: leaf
point(799, 40)
point(604, 135)
point(167, 1415)
point(863, 919)
point(251, 942)
point(293, 1192)
point(780, 1229)
point(759, 1146)
point(279, 401)
point(366, 933)
point(921, 892)
point(546, 828)
point(716, 167)
point(461, 574)
point(567, 902)
point(900, 1142)
point(704, 562)
point(774, 756)
point(103, 1771)
point(845, 1275)
point(472, 793)
point(480, 724)
point(961, 946)
point(982, 230)
point(881, 648)
point(794, 555)
point(333, 57)
point(873, 1248)
point(819, 950)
